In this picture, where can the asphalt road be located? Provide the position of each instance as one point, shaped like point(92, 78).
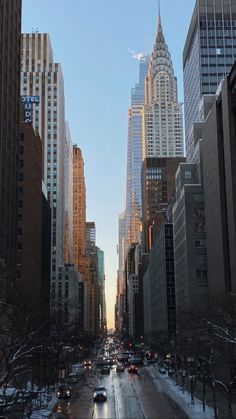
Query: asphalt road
point(129, 396)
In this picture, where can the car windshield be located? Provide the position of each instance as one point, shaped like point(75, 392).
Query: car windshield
point(100, 389)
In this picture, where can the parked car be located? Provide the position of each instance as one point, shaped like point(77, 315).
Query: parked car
point(105, 370)
point(63, 392)
point(133, 369)
point(162, 370)
point(100, 394)
point(120, 368)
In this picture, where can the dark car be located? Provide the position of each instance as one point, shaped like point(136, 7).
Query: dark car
point(100, 394)
point(136, 361)
point(162, 370)
point(133, 369)
point(105, 370)
point(120, 368)
point(63, 392)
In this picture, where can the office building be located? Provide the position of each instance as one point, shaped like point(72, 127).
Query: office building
point(68, 193)
point(10, 29)
point(134, 156)
point(160, 290)
point(158, 185)
point(29, 226)
point(79, 206)
point(218, 155)
point(190, 251)
point(162, 113)
point(42, 78)
point(209, 53)
point(101, 292)
point(70, 297)
point(121, 269)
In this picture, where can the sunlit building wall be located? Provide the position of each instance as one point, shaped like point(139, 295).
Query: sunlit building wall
point(134, 156)
point(79, 206)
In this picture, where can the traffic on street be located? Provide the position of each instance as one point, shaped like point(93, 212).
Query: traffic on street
point(116, 385)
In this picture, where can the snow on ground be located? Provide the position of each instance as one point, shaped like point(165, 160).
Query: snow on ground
point(168, 386)
point(45, 411)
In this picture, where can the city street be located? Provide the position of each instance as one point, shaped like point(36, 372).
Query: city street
point(128, 396)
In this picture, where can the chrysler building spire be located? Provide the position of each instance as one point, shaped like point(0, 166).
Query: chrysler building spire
point(159, 10)
point(162, 113)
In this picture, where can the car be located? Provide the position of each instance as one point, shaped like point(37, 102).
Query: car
point(133, 369)
point(120, 368)
point(105, 370)
point(100, 394)
point(162, 370)
point(63, 392)
point(136, 361)
point(87, 363)
point(127, 363)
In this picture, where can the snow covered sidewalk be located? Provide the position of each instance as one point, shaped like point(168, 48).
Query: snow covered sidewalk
point(168, 386)
point(46, 411)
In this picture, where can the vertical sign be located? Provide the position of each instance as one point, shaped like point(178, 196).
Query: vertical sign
point(28, 105)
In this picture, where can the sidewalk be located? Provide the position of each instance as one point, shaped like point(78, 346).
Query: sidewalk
point(169, 386)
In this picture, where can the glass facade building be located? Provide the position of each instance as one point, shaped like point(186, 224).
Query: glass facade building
point(134, 155)
point(209, 53)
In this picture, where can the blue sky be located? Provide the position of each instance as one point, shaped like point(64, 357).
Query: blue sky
point(92, 40)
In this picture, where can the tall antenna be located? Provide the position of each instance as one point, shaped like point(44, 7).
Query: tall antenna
point(159, 8)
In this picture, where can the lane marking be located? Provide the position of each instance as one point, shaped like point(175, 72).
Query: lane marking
point(139, 402)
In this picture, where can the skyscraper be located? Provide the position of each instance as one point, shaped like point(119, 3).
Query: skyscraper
point(101, 291)
point(162, 113)
point(10, 29)
point(68, 185)
point(42, 77)
point(209, 53)
point(158, 184)
point(30, 212)
point(79, 206)
point(121, 270)
point(134, 156)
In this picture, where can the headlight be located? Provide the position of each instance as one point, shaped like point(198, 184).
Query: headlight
point(58, 393)
point(104, 394)
point(68, 393)
point(95, 395)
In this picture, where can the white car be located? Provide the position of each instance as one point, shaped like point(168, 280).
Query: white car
point(100, 394)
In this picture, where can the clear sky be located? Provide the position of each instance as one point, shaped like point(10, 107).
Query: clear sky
point(94, 40)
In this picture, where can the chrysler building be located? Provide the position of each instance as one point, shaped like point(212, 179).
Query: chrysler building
point(162, 113)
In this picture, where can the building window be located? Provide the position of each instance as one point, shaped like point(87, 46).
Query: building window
point(200, 243)
point(199, 227)
point(201, 274)
point(187, 174)
point(198, 197)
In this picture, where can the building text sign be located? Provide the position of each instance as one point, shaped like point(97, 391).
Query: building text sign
point(28, 102)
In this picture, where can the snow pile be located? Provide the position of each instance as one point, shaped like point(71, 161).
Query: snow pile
point(41, 415)
point(45, 411)
point(166, 385)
